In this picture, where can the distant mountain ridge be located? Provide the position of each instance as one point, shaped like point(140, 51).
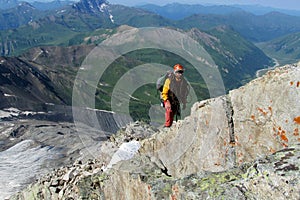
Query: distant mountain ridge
point(88, 6)
point(257, 28)
point(178, 11)
point(41, 5)
point(6, 4)
point(253, 27)
point(19, 15)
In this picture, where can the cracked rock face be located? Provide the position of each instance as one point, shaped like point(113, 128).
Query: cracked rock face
point(244, 145)
point(266, 120)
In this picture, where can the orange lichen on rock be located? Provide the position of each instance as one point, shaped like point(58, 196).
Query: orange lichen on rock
point(175, 191)
point(284, 138)
point(149, 192)
point(262, 111)
point(272, 150)
point(284, 145)
point(232, 144)
point(296, 132)
point(282, 134)
point(270, 108)
point(297, 120)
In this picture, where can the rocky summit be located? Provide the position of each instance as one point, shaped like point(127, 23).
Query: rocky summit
point(243, 145)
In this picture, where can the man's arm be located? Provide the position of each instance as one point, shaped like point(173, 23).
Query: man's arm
point(165, 91)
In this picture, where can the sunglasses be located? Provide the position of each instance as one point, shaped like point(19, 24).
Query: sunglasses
point(179, 72)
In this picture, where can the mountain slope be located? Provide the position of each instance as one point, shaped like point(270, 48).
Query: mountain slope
point(237, 60)
point(22, 14)
point(22, 85)
point(177, 11)
point(52, 5)
point(41, 76)
point(6, 4)
point(252, 27)
point(284, 49)
point(71, 25)
point(135, 17)
point(60, 28)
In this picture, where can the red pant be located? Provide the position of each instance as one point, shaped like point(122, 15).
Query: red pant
point(169, 116)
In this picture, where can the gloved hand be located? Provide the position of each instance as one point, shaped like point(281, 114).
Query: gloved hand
point(167, 104)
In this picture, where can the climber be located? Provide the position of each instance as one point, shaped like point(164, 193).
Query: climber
point(175, 91)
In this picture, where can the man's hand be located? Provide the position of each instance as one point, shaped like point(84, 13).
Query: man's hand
point(167, 104)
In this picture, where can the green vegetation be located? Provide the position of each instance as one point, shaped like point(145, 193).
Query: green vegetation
point(145, 96)
point(285, 49)
point(255, 28)
point(237, 59)
point(65, 29)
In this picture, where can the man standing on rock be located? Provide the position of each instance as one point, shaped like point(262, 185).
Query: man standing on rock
point(175, 91)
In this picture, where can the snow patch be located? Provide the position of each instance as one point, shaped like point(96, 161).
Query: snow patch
point(61, 11)
point(19, 164)
point(9, 95)
point(111, 18)
point(125, 152)
point(10, 112)
point(102, 8)
point(14, 112)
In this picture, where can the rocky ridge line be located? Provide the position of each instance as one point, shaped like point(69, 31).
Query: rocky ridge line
point(244, 145)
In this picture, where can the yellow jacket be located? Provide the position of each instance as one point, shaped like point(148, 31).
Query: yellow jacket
point(165, 91)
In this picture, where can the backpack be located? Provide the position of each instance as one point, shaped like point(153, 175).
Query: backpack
point(160, 84)
point(161, 81)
